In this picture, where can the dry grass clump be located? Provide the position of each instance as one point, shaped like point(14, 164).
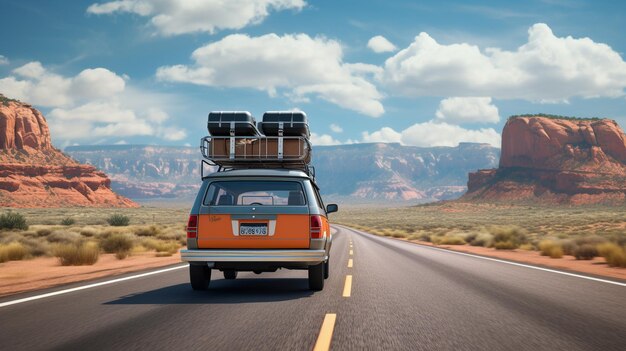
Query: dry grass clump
point(88, 232)
point(43, 231)
point(550, 248)
point(481, 239)
point(77, 254)
point(451, 240)
point(179, 234)
point(508, 237)
point(13, 251)
point(63, 237)
point(527, 247)
point(614, 254)
point(162, 248)
point(152, 230)
point(118, 243)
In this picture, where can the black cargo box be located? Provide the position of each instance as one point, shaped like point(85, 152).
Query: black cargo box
point(219, 123)
point(294, 123)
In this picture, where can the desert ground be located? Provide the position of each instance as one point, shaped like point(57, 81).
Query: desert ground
point(72, 244)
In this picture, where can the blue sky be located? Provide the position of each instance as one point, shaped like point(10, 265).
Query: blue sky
point(420, 73)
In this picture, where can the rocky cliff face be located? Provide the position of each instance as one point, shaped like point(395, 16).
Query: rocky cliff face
point(35, 174)
point(555, 160)
point(358, 173)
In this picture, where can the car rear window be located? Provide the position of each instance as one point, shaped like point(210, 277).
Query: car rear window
point(247, 193)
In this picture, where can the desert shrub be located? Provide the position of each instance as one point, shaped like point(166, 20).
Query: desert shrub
point(569, 246)
point(13, 251)
point(592, 240)
point(424, 237)
point(147, 231)
point(508, 237)
point(482, 239)
point(452, 240)
point(67, 221)
point(13, 220)
point(398, 234)
point(470, 237)
point(34, 246)
point(119, 244)
point(63, 237)
point(77, 254)
point(614, 254)
point(118, 220)
point(435, 239)
point(619, 239)
point(550, 248)
point(585, 252)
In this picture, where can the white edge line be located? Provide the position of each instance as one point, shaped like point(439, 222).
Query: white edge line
point(509, 262)
point(89, 286)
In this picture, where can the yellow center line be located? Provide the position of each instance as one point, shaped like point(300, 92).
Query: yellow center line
point(350, 263)
point(351, 252)
point(347, 288)
point(326, 333)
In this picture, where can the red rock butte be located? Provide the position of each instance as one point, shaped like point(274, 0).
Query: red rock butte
point(556, 160)
point(35, 174)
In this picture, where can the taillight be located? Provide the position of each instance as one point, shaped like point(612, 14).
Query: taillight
point(316, 227)
point(192, 227)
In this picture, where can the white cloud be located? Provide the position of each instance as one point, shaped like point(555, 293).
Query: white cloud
point(3, 60)
point(432, 133)
point(336, 128)
point(97, 83)
point(459, 110)
point(380, 44)
point(384, 135)
point(31, 70)
point(323, 139)
point(545, 69)
point(172, 17)
point(296, 65)
point(96, 103)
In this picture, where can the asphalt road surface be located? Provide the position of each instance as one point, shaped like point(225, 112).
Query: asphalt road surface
point(400, 296)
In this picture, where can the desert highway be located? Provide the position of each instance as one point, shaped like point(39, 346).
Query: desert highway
point(383, 294)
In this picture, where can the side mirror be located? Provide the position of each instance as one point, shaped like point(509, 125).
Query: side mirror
point(332, 208)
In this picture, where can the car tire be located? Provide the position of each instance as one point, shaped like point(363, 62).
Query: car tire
point(316, 277)
point(200, 276)
point(327, 268)
point(230, 274)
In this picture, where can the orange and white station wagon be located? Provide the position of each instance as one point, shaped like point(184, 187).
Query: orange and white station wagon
point(262, 210)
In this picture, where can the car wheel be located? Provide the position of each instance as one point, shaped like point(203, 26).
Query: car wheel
point(200, 276)
point(230, 274)
point(316, 277)
point(326, 268)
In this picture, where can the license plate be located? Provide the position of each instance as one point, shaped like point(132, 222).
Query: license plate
point(253, 229)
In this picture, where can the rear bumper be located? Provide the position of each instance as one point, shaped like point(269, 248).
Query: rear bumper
point(228, 255)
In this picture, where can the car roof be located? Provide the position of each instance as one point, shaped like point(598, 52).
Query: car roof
point(256, 172)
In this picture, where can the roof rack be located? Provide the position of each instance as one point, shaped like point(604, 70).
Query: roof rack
point(234, 145)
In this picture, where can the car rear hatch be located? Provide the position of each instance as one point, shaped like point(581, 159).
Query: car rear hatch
point(254, 214)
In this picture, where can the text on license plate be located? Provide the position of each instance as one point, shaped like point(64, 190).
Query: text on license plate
point(253, 229)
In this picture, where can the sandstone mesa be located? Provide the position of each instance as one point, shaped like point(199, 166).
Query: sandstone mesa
point(33, 173)
point(552, 160)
